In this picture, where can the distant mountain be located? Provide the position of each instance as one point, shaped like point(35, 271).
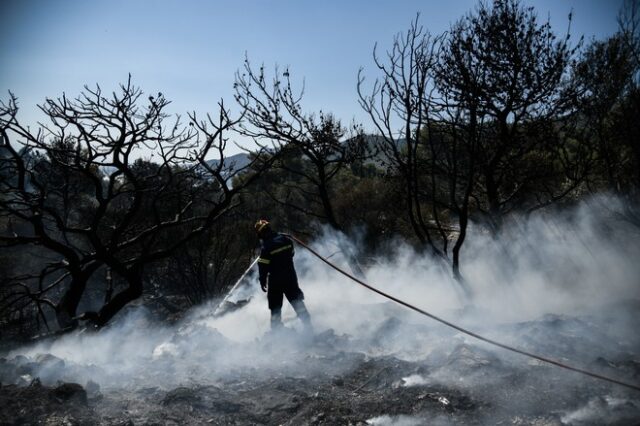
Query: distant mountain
point(377, 156)
point(241, 160)
point(237, 161)
point(374, 140)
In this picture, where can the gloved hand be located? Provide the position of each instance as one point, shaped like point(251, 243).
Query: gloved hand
point(263, 287)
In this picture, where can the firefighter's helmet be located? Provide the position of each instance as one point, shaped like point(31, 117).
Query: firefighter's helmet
point(261, 226)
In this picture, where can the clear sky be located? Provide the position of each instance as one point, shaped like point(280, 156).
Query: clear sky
point(189, 50)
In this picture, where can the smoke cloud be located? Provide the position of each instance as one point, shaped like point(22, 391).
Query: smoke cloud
point(564, 284)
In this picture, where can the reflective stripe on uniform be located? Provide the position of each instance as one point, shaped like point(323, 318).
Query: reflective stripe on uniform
point(281, 249)
point(265, 261)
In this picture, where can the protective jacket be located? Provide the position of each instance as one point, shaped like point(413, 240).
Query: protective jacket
point(277, 271)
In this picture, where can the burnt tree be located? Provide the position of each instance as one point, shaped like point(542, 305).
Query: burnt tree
point(627, 111)
point(422, 143)
point(401, 105)
point(504, 68)
point(79, 189)
point(273, 115)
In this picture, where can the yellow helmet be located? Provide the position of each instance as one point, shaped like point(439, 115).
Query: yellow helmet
point(261, 225)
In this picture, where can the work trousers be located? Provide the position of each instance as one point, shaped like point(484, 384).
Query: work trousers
point(275, 292)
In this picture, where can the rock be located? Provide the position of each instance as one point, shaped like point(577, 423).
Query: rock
point(166, 349)
point(182, 395)
point(19, 360)
point(17, 366)
point(48, 367)
point(24, 380)
point(50, 361)
point(92, 388)
point(71, 392)
point(471, 357)
point(44, 405)
point(25, 367)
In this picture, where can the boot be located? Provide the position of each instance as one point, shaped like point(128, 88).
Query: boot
point(303, 314)
point(276, 319)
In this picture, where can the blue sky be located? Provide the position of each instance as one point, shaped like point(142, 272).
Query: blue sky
point(189, 50)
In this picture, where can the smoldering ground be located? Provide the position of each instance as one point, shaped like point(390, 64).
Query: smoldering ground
point(564, 285)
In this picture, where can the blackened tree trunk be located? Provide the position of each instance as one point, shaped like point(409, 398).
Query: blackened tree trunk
point(84, 197)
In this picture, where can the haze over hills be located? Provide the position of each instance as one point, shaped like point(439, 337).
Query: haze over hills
point(241, 160)
point(237, 161)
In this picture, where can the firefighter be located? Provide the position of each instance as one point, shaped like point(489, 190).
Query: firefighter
point(278, 275)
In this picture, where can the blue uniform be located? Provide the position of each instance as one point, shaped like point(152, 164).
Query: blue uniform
point(276, 269)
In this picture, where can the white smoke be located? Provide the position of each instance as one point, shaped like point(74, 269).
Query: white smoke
point(563, 264)
point(395, 421)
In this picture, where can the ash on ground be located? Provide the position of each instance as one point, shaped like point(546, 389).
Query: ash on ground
point(399, 371)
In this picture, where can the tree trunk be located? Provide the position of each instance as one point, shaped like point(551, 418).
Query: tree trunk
point(494, 204)
point(67, 307)
point(119, 301)
point(455, 265)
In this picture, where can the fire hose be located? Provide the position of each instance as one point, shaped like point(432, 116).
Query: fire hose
point(230, 292)
point(464, 330)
